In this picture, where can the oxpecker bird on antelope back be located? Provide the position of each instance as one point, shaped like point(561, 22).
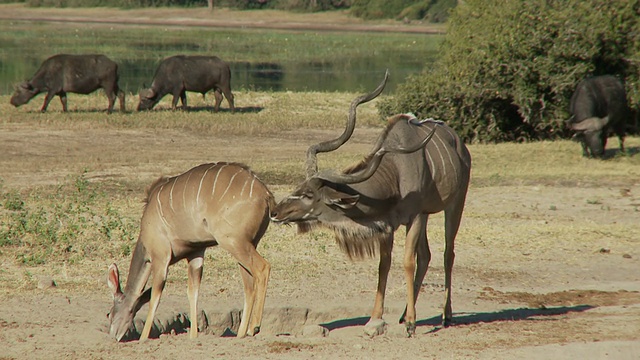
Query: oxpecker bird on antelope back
point(598, 108)
point(415, 169)
point(221, 204)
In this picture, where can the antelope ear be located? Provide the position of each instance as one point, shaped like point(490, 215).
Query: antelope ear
point(346, 202)
point(590, 124)
point(113, 280)
point(339, 199)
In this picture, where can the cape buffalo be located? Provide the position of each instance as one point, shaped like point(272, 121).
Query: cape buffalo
point(81, 74)
point(178, 74)
point(599, 107)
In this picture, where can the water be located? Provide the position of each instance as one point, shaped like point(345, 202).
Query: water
point(353, 77)
point(294, 61)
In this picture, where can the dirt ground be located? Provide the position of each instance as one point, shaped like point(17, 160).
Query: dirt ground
point(518, 292)
point(542, 271)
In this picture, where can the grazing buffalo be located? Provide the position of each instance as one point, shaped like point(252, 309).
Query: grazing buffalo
point(599, 107)
point(178, 74)
point(81, 74)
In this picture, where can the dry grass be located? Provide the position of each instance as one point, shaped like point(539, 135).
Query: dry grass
point(94, 214)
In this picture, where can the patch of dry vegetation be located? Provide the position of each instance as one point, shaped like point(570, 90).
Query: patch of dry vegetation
point(74, 183)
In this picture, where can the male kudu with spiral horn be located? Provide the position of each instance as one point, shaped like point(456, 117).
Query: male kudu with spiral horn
point(212, 204)
point(415, 169)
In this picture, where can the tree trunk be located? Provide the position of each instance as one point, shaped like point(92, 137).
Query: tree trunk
point(210, 4)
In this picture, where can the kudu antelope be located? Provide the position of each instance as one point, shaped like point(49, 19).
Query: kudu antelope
point(366, 203)
point(212, 204)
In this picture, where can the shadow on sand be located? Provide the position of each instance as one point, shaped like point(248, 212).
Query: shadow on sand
point(472, 318)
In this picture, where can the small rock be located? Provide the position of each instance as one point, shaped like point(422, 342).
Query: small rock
point(626, 256)
point(375, 327)
point(397, 331)
point(45, 282)
point(311, 331)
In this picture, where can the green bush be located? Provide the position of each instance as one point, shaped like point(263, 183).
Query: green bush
point(508, 68)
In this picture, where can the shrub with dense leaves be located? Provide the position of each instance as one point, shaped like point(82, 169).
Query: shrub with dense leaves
point(508, 67)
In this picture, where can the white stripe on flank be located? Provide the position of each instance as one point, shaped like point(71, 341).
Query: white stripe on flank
point(200, 186)
point(252, 182)
point(184, 191)
point(431, 164)
point(160, 207)
point(441, 157)
point(229, 185)
point(448, 149)
point(171, 195)
point(213, 189)
point(244, 186)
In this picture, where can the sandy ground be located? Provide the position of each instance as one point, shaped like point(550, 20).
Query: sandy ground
point(554, 274)
point(518, 292)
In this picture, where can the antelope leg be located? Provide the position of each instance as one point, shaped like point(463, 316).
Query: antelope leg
point(261, 270)
point(452, 217)
point(416, 243)
point(159, 280)
point(242, 251)
point(196, 262)
point(386, 246)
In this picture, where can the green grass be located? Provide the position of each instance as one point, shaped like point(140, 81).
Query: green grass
point(127, 42)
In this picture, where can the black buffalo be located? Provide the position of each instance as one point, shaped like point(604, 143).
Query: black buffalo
point(178, 74)
point(81, 74)
point(599, 107)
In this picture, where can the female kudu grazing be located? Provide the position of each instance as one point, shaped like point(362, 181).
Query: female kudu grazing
point(212, 204)
point(365, 204)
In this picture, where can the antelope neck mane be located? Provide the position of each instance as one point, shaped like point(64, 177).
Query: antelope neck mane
point(357, 240)
point(156, 184)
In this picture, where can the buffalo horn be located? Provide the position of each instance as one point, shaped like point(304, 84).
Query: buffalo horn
point(590, 124)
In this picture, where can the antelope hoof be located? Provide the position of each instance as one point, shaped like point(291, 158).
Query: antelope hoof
point(446, 322)
point(256, 331)
point(375, 327)
point(411, 328)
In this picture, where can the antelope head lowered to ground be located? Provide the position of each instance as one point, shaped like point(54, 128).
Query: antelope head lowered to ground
point(366, 203)
point(212, 204)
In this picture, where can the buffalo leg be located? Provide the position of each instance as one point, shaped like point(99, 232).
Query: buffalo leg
point(47, 100)
point(183, 99)
point(218, 97)
point(226, 90)
point(63, 100)
point(174, 102)
point(121, 100)
point(111, 95)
